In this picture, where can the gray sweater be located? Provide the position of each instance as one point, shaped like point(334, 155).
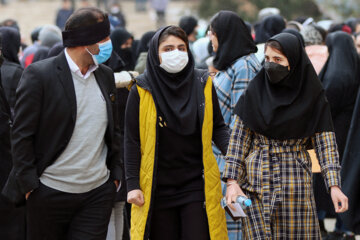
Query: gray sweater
point(82, 165)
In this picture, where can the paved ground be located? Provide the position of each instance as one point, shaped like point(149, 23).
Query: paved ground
point(33, 13)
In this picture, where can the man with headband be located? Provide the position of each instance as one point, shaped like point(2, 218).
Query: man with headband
point(66, 139)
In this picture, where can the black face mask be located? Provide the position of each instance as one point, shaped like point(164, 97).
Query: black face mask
point(126, 53)
point(275, 72)
point(127, 56)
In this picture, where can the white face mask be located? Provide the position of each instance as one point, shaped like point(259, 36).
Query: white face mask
point(174, 61)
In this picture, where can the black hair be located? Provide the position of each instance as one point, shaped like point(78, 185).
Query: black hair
point(174, 31)
point(85, 17)
point(10, 23)
point(35, 34)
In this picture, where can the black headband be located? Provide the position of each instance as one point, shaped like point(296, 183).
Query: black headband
point(86, 35)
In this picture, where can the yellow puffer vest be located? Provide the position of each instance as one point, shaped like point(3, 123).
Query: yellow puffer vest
point(213, 194)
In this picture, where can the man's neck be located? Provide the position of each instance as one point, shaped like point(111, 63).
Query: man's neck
point(75, 54)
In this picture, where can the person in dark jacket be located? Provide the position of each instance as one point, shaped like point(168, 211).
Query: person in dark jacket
point(172, 117)
point(56, 50)
point(350, 172)
point(11, 70)
point(65, 136)
point(28, 53)
point(189, 24)
point(63, 14)
point(12, 220)
point(122, 41)
point(41, 53)
point(341, 86)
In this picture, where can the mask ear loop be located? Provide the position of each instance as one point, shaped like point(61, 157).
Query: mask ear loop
point(93, 56)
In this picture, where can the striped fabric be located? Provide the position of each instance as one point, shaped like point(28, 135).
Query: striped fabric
point(276, 176)
point(229, 85)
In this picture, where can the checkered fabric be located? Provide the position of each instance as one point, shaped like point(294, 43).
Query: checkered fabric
point(229, 86)
point(231, 83)
point(276, 175)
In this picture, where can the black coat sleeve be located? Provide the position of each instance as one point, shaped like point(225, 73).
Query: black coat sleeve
point(132, 141)
point(221, 133)
point(5, 146)
point(26, 122)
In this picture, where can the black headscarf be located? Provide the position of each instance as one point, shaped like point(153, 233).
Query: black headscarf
point(55, 50)
point(233, 37)
point(144, 43)
point(249, 27)
point(118, 37)
point(10, 43)
point(41, 53)
point(188, 24)
point(341, 72)
point(294, 108)
point(268, 27)
point(296, 33)
point(175, 95)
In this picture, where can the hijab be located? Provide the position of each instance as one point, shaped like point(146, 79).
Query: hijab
point(10, 43)
point(233, 37)
point(118, 37)
point(344, 79)
point(269, 27)
point(188, 24)
point(41, 53)
point(55, 50)
point(295, 107)
point(297, 34)
point(144, 43)
point(175, 95)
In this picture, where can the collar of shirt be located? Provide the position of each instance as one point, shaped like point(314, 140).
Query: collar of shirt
point(75, 69)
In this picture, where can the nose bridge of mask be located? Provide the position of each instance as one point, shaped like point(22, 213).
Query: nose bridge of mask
point(106, 44)
point(102, 46)
point(104, 54)
point(275, 71)
point(171, 55)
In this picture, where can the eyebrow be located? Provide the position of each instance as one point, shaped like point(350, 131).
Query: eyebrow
point(180, 45)
point(274, 56)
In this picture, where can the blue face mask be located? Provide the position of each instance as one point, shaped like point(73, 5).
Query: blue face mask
point(104, 53)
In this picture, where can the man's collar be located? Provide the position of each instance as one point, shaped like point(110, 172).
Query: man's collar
point(75, 68)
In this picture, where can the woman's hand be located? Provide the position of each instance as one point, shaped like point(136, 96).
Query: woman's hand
point(337, 197)
point(233, 190)
point(136, 197)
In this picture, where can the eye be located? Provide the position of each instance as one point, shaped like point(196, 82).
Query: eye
point(168, 49)
point(266, 59)
point(277, 60)
point(183, 49)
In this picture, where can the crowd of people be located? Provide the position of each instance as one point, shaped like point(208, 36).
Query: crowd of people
point(104, 136)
